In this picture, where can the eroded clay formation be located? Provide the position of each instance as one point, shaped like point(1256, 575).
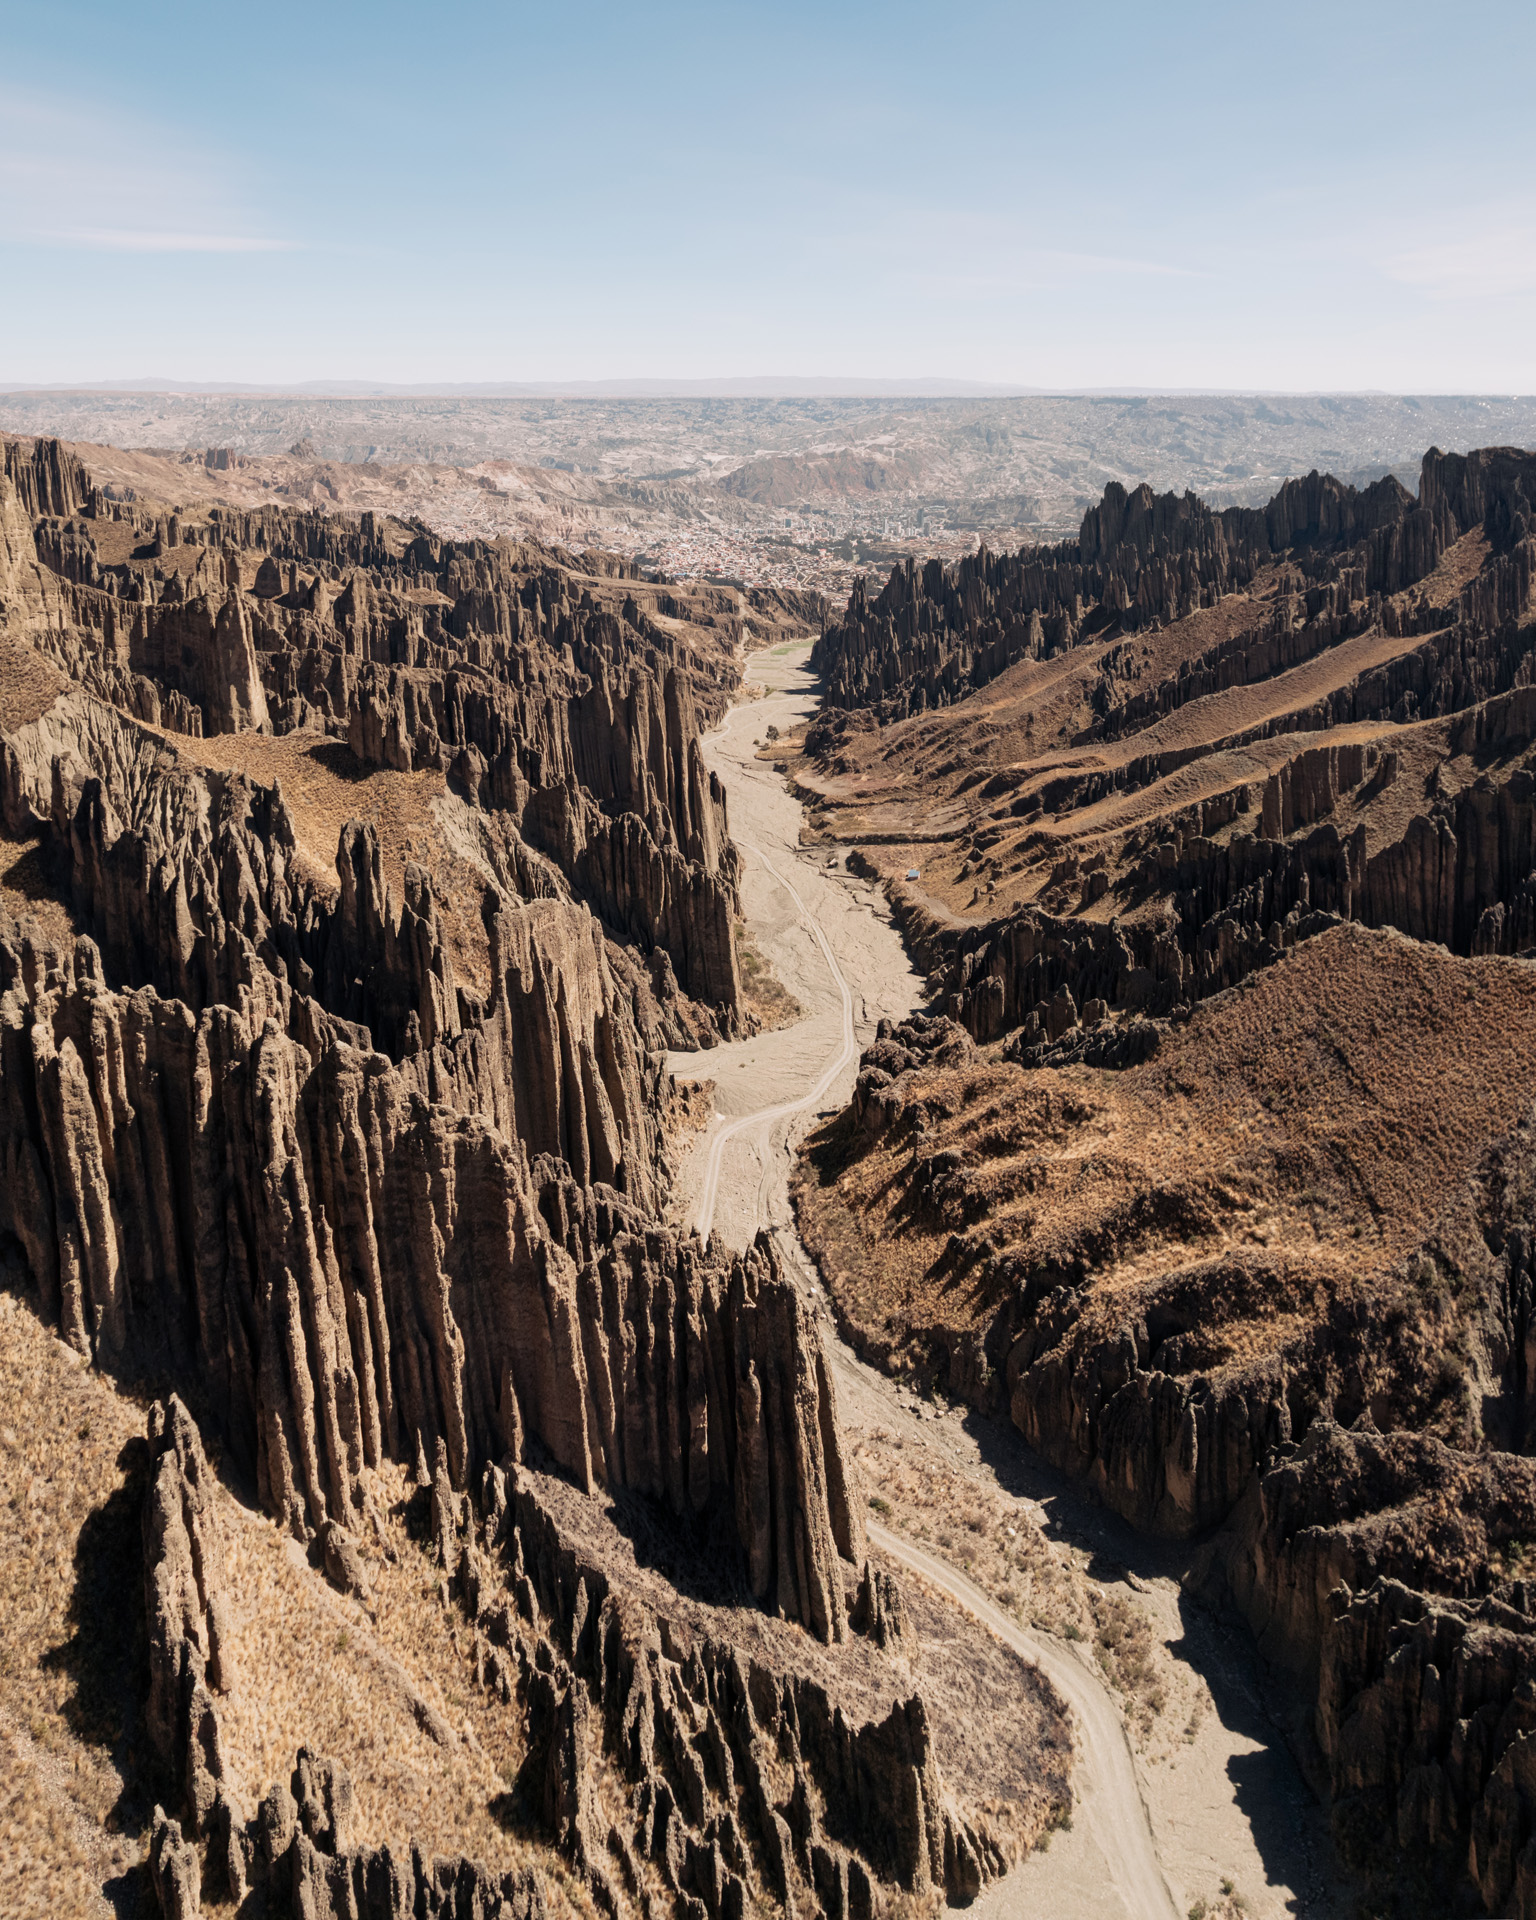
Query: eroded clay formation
point(367, 878)
point(698, 1735)
point(1212, 1163)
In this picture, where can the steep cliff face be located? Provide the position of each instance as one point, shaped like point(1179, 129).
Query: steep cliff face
point(729, 1781)
point(50, 481)
point(298, 1854)
point(551, 699)
point(419, 1208)
point(1388, 1571)
point(1141, 560)
point(354, 883)
point(1143, 817)
point(1137, 801)
point(358, 1261)
point(1207, 908)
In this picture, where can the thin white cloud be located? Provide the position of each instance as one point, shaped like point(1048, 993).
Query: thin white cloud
point(150, 240)
point(1472, 266)
point(1032, 269)
point(77, 173)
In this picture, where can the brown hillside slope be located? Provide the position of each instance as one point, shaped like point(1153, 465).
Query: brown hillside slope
point(1214, 1164)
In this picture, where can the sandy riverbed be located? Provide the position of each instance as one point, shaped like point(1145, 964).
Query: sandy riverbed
point(783, 1067)
point(1229, 1804)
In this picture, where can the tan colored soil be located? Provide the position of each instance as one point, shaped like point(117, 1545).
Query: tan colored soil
point(310, 1667)
point(912, 794)
point(29, 684)
point(70, 1581)
point(30, 893)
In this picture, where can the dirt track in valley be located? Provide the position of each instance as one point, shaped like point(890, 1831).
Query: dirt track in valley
point(1147, 1840)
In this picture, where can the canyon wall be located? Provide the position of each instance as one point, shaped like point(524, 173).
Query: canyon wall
point(1210, 1162)
point(930, 637)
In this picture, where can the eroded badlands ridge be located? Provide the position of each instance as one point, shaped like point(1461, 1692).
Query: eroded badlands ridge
point(1212, 1166)
point(355, 882)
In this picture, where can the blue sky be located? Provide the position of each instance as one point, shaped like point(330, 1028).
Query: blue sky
point(1335, 196)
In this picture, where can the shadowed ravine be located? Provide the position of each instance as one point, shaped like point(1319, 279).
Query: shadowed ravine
point(1145, 1841)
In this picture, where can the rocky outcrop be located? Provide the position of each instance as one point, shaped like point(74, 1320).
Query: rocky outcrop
point(291, 1861)
point(1386, 1569)
point(1147, 908)
point(189, 1657)
point(578, 720)
point(1166, 1445)
point(1390, 1569)
point(353, 1266)
point(878, 1609)
point(48, 478)
point(608, 781)
point(933, 635)
point(743, 1784)
point(204, 649)
point(414, 1209)
point(900, 1048)
point(1460, 873)
point(740, 1773)
point(373, 1169)
point(1474, 648)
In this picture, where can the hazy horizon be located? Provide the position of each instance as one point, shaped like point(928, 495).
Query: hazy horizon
point(767, 387)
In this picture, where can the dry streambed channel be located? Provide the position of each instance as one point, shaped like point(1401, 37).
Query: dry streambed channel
point(1186, 1799)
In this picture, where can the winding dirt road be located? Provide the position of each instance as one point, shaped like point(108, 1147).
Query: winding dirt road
point(1108, 1798)
point(847, 1055)
point(829, 937)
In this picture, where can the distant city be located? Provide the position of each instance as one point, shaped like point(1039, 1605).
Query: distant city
point(824, 553)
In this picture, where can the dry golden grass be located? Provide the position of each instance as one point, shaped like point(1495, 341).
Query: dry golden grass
point(52, 1859)
point(310, 1667)
point(974, 1526)
point(71, 1587)
point(313, 1669)
point(29, 684)
point(767, 1000)
point(1035, 723)
point(960, 1512)
point(1298, 1134)
point(29, 893)
point(325, 786)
